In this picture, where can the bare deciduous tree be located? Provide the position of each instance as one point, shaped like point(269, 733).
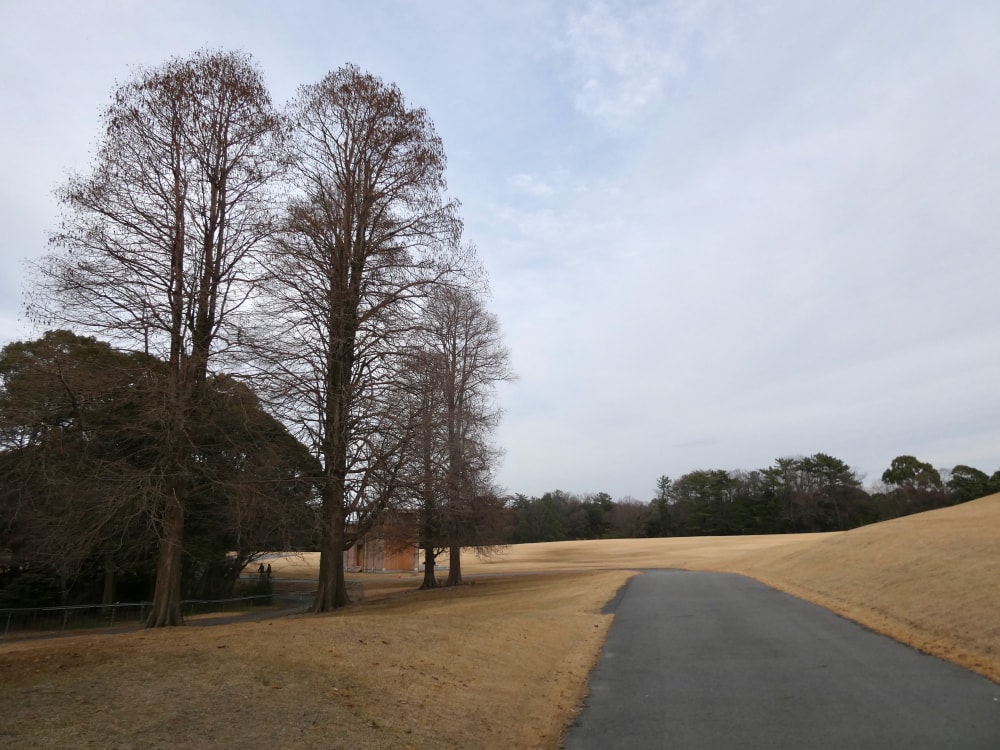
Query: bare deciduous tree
point(369, 231)
point(457, 363)
point(155, 248)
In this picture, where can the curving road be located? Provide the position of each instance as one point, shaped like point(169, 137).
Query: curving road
point(708, 661)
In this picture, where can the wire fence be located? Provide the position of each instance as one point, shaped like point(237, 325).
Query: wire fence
point(42, 620)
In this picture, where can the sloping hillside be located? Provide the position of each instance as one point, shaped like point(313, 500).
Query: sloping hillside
point(931, 580)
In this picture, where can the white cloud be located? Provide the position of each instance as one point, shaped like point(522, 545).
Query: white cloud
point(531, 185)
point(624, 56)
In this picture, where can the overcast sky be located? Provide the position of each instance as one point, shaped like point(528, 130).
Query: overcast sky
point(718, 231)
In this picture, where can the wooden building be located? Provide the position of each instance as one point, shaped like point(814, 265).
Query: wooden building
point(388, 547)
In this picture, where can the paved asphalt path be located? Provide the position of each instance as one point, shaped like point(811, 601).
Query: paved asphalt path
point(708, 661)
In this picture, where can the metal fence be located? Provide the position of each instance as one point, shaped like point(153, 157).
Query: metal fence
point(59, 619)
point(43, 620)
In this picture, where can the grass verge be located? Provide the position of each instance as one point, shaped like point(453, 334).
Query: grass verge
point(502, 663)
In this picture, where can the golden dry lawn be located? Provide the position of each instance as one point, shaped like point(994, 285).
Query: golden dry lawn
point(502, 663)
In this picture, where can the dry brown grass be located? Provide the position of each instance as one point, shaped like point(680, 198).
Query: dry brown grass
point(616, 554)
point(499, 664)
point(930, 580)
point(502, 663)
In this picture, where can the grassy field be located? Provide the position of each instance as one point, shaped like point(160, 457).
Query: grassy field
point(502, 663)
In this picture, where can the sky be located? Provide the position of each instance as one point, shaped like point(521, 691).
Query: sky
point(717, 232)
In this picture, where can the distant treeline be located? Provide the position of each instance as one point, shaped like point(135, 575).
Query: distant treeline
point(793, 495)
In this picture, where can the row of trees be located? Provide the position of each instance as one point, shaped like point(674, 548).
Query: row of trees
point(314, 252)
point(559, 516)
point(795, 494)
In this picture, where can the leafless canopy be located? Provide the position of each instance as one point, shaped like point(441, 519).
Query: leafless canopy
point(369, 231)
point(457, 358)
point(156, 247)
point(156, 239)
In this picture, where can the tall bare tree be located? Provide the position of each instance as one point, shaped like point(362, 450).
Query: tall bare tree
point(426, 472)
point(155, 250)
point(457, 364)
point(369, 230)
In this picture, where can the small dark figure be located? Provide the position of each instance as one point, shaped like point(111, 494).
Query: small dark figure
point(269, 571)
point(260, 571)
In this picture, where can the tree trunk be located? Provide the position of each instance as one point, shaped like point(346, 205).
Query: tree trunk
point(331, 592)
point(167, 594)
point(430, 581)
point(454, 566)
